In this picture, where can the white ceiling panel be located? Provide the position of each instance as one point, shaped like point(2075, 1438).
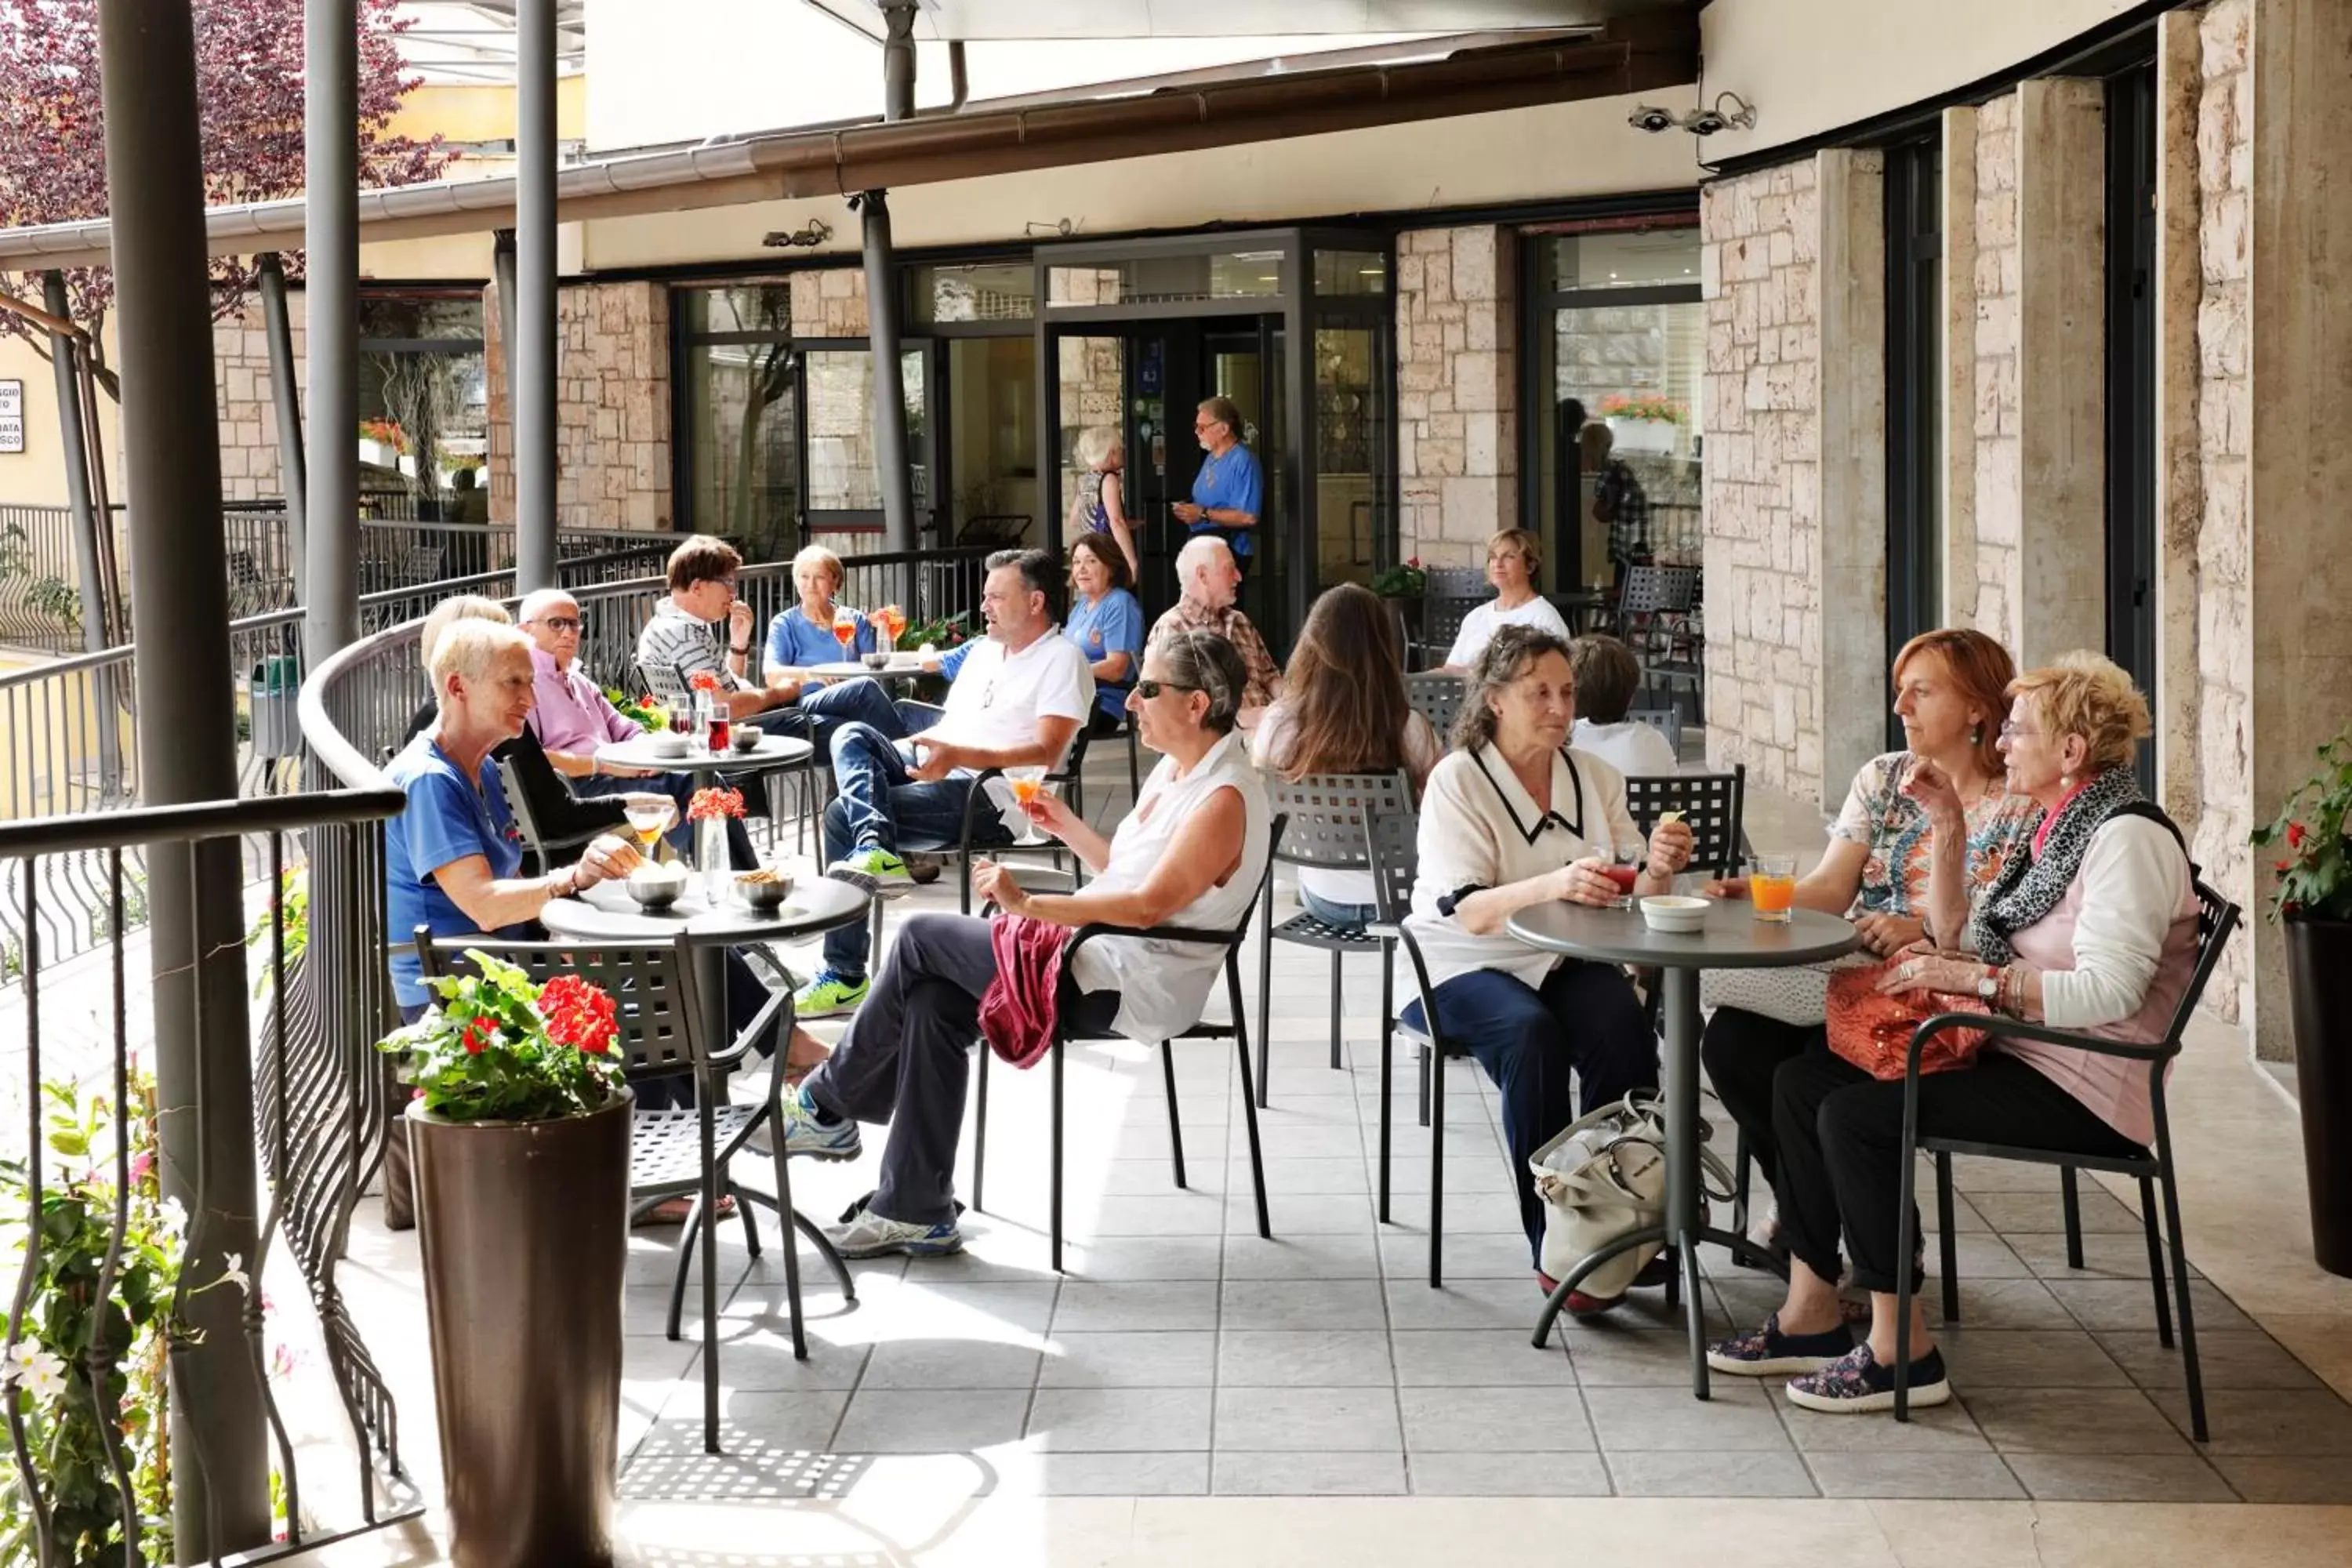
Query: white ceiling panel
point(976, 20)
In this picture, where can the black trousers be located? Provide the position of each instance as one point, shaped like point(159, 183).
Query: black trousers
point(1840, 1136)
point(1742, 1051)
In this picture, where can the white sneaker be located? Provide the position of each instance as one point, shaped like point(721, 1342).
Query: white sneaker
point(870, 1235)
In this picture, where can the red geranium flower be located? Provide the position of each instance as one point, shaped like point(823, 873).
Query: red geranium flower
point(2284, 866)
point(2295, 834)
point(480, 1033)
point(579, 1013)
point(703, 680)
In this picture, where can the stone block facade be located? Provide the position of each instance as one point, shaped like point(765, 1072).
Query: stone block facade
point(1995, 281)
point(613, 403)
point(250, 468)
point(1457, 391)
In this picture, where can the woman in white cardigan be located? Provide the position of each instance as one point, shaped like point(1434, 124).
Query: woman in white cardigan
point(1513, 819)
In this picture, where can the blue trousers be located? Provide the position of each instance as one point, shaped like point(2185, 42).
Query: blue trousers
point(1585, 1021)
point(878, 803)
point(822, 710)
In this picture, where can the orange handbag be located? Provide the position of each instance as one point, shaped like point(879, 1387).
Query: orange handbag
point(1873, 1030)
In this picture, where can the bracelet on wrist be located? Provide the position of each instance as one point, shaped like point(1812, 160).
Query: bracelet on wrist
point(743, 652)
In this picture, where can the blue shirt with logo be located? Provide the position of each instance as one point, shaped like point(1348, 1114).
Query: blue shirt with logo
point(1114, 625)
point(1231, 483)
point(795, 642)
point(447, 819)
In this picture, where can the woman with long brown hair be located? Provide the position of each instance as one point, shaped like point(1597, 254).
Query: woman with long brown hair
point(1343, 711)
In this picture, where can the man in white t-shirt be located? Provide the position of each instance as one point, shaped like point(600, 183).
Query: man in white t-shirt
point(1017, 698)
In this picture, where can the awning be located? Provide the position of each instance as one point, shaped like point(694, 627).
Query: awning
point(975, 21)
point(1631, 55)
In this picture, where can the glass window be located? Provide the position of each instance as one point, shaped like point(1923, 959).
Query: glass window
point(983, 292)
point(745, 308)
point(1350, 273)
point(1231, 275)
point(842, 473)
point(425, 408)
point(742, 450)
point(1637, 261)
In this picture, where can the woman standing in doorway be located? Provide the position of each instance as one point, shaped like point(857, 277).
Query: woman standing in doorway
point(1099, 505)
point(1229, 490)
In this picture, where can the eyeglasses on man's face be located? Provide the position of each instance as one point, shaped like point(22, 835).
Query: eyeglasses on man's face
point(561, 623)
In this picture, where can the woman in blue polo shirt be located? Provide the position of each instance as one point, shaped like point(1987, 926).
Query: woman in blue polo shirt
point(1106, 624)
point(801, 636)
point(1229, 490)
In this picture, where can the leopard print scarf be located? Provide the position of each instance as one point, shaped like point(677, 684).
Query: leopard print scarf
point(2032, 885)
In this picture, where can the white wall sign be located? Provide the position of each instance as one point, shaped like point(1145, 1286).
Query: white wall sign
point(11, 415)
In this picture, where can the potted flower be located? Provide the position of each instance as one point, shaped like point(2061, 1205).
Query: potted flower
point(519, 1135)
point(1645, 424)
point(709, 812)
point(1406, 583)
point(2313, 900)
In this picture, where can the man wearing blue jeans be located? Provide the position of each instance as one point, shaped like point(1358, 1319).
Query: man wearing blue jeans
point(1016, 700)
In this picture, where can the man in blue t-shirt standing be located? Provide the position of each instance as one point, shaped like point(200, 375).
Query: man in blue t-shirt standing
point(1229, 492)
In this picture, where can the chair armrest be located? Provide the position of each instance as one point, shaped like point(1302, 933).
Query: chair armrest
point(1090, 931)
point(2019, 1029)
point(742, 1045)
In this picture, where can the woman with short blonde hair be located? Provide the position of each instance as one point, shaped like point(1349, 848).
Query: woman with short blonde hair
point(801, 636)
point(1514, 556)
point(1099, 507)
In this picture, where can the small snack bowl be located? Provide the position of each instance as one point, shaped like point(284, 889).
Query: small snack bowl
point(655, 885)
point(1673, 915)
point(746, 738)
point(876, 661)
point(764, 891)
point(666, 743)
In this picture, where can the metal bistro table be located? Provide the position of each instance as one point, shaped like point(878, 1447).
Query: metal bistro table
point(606, 913)
point(1580, 607)
point(1733, 939)
point(902, 666)
point(773, 754)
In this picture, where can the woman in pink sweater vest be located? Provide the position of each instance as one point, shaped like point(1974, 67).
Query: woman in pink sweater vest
point(2095, 931)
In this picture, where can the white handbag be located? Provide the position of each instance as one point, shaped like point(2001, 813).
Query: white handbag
point(1603, 1177)
point(1794, 996)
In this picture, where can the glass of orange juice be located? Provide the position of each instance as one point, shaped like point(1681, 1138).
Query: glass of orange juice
point(1772, 887)
point(1027, 782)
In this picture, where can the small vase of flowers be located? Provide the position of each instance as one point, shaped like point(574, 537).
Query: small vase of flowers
point(709, 811)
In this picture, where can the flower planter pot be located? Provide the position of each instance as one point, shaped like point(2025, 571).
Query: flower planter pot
point(1652, 436)
point(2319, 981)
point(525, 1230)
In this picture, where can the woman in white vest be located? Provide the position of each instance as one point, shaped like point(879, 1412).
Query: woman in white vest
point(1190, 853)
point(1514, 818)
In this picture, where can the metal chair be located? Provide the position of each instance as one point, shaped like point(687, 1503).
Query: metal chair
point(2217, 917)
point(1711, 804)
point(681, 1152)
point(541, 843)
point(1666, 721)
point(1441, 622)
point(1205, 1029)
point(1326, 813)
point(1436, 697)
point(1654, 612)
point(1391, 844)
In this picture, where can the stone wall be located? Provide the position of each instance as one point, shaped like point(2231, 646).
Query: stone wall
point(1997, 508)
point(1457, 391)
point(249, 408)
point(1761, 233)
point(613, 393)
point(1090, 370)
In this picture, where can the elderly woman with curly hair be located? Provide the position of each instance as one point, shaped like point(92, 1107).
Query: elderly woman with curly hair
point(2093, 932)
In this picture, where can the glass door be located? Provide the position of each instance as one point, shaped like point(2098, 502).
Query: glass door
point(1244, 362)
point(1352, 433)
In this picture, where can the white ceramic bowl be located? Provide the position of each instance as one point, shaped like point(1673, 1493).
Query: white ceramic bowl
point(1675, 915)
point(668, 743)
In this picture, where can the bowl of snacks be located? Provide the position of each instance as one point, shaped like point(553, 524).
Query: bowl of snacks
point(746, 738)
point(657, 884)
point(764, 890)
point(1672, 915)
point(876, 661)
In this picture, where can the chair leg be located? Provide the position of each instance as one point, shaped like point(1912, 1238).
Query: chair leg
point(1906, 1277)
point(1175, 1127)
point(1338, 1000)
point(1421, 1072)
point(2156, 1262)
point(1388, 1066)
point(1948, 1248)
point(980, 1135)
point(707, 1209)
point(689, 1236)
point(1054, 1175)
point(1741, 1161)
point(1265, 992)
point(2071, 1199)
point(2172, 1186)
point(790, 1244)
point(744, 1209)
point(1249, 1115)
point(1436, 1087)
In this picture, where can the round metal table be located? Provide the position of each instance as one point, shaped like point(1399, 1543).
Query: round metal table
point(902, 666)
point(774, 753)
point(1733, 939)
point(605, 914)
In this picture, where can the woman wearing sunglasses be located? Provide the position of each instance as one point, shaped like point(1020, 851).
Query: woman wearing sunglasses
point(1190, 853)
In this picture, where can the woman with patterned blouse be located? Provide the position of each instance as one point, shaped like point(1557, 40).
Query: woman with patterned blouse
point(1950, 691)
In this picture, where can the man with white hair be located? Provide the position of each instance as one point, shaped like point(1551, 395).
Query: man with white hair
point(1209, 583)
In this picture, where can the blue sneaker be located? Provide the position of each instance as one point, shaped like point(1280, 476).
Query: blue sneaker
point(805, 1133)
point(1855, 1384)
point(869, 1234)
point(1768, 1352)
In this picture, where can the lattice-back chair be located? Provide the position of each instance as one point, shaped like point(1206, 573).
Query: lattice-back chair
point(535, 838)
point(1441, 622)
point(1204, 1029)
point(1392, 843)
point(422, 564)
point(1436, 697)
point(681, 1152)
point(1711, 804)
point(1457, 583)
point(1326, 813)
point(2157, 1171)
point(1666, 721)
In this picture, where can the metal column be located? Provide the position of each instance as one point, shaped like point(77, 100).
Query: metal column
point(897, 480)
point(531, 342)
point(286, 398)
point(62, 352)
point(330, 237)
point(187, 726)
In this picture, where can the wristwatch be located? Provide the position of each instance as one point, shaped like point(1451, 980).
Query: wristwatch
point(1989, 987)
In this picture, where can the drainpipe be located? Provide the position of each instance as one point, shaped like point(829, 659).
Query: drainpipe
point(958, 82)
point(187, 733)
point(63, 353)
point(530, 346)
point(288, 401)
point(331, 238)
point(898, 481)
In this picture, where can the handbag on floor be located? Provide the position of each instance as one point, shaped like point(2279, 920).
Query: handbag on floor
point(1873, 1030)
point(1603, 1177)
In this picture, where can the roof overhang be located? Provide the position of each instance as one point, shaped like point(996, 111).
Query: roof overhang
point(1631, 55)
point(977, 21)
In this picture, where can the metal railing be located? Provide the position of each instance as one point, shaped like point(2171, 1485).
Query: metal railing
point(320, 1127)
